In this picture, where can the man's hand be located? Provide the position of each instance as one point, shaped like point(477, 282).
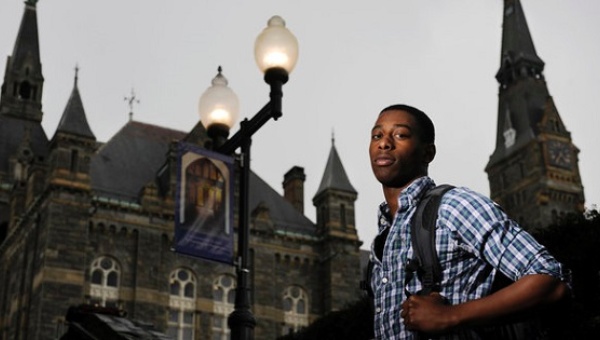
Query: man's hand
point(427, 314)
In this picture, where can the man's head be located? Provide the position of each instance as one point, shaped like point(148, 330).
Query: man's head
point(424, 123)
point(401, 146)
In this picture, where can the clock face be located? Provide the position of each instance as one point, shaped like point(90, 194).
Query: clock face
point(560, 154)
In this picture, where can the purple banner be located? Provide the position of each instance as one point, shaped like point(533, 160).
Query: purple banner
point(204, 204)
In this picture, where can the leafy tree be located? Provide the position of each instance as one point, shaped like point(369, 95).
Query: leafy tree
point(575, 241)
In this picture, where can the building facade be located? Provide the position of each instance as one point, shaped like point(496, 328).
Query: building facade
point(87, 222)
point(533, 171)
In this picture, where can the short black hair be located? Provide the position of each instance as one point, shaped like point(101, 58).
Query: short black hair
point(427, 130)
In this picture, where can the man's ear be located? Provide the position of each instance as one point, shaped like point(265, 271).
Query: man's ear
point(429, 153)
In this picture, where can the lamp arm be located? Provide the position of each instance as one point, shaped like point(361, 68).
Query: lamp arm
point(247, 129)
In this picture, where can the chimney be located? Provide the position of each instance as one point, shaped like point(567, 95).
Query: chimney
point(293, 187)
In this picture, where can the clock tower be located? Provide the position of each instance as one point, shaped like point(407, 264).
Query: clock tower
point(533, 171)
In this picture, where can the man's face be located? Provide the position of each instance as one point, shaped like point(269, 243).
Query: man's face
point(397, 153)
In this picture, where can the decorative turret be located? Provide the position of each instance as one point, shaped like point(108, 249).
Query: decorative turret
point(335, 199)
point(72, 146)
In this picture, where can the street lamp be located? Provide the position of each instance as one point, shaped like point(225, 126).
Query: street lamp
point(276, 53)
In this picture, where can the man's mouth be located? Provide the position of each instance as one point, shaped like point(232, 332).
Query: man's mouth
point(383, 160)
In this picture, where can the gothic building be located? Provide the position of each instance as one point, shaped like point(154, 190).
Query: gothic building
point(88, 222)
point(533, 171)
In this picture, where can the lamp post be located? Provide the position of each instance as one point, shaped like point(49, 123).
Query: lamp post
point(276, 52)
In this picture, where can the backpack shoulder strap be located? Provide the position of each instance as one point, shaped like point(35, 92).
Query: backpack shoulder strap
point(423, 239)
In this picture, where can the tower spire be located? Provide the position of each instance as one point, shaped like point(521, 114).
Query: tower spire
point(23, 81)
point(518, 57)
point(525, 178)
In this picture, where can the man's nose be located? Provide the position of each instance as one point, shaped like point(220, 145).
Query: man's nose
point(385, 143)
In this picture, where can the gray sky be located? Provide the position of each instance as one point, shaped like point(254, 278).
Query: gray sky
point(356, 57)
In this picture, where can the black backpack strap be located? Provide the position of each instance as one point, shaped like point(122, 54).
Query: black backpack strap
point(425, 261)
point(365, 284)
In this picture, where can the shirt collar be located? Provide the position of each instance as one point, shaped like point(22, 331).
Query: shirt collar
point(407, 198)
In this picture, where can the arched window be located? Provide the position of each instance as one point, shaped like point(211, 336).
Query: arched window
point(224, 299)
point(182, 304)
point(295, 309)
point(105, 276)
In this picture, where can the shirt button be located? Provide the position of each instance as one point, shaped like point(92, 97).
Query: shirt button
point(378, 309)
point(384, 280)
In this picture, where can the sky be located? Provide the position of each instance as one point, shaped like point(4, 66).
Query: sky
point(356, 57)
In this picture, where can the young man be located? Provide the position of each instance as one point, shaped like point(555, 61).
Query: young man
point(475, 242)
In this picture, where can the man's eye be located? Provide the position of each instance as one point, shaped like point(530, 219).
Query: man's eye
point(375, 137)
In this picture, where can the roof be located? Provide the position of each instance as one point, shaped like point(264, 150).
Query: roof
point(131, 159)
point(516, 39)
point(283, 214)
point(27, 44)
point(335, 176)
point(74, 119)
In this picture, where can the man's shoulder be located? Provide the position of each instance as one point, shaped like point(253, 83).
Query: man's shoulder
point(462, 201)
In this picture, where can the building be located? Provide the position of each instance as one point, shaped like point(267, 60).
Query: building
point(533, 171)
point(87, 222)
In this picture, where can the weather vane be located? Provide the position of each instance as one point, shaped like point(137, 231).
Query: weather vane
point(131, 100)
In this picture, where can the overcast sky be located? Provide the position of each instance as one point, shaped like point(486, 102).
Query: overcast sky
point(356, 57)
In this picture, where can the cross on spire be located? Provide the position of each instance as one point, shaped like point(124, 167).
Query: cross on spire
point(76, 74)
point(132, 99)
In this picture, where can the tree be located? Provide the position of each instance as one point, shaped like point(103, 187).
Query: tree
point(575, 242)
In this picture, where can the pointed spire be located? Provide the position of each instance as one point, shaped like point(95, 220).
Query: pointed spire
point(74, 119)
point(335, 176)
point(518, 56)
point(23, 79)
point(27, 47)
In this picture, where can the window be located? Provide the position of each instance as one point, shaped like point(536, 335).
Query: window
point(295, 309)
point(343, 216)
point(224, 299)
point(104, 288)
point(74, 161)
point(182, 304)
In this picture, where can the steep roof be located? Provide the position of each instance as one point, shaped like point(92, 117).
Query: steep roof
point(282, 213)
point(335, 176)
point(516, 38)
point(73, 119)
point(27, 44)
point(131, 159)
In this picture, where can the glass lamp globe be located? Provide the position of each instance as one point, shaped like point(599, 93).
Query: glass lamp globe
point(219, 105)
point(276, 47)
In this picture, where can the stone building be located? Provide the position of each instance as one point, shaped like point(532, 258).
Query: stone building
point(533, 171)
point(88, 222)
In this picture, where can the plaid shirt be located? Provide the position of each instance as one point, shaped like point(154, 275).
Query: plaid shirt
point(474, 240)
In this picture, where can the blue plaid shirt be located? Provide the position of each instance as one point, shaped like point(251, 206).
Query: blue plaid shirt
point(474, 240)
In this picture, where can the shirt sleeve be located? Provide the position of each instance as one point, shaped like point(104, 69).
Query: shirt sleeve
point(488, 233)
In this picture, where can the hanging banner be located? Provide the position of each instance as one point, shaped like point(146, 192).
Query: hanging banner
point(204, 204)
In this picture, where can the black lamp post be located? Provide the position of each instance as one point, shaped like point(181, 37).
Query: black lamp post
point(276, 52)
